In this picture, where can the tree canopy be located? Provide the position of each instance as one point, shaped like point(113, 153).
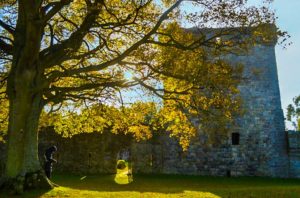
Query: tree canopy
point(86, 47)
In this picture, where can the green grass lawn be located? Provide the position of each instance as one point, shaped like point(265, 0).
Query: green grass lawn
point(152, 186)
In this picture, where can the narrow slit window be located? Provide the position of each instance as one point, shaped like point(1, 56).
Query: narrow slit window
point(235, 138)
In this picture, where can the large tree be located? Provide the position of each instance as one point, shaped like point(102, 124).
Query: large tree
point(53, 51)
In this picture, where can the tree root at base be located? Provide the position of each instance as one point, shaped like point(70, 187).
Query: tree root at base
point(23, 182)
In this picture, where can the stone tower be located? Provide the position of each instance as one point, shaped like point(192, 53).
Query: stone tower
point(262, 149)
point(256, 146)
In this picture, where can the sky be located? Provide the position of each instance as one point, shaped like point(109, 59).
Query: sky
point(288, 60)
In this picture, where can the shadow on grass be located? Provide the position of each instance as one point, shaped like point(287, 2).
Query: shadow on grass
point(169, 184)
point(27, 194)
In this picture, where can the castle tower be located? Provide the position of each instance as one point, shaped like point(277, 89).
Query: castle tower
point(262, 149)
point(255, 146)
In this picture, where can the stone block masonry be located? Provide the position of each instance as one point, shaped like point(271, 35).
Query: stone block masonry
point(294, 153)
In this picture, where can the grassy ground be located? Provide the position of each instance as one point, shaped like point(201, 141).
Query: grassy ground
point(161, 186)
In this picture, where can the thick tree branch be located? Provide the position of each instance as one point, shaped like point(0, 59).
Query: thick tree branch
point(6, 48)
point(87, 86)
point(7, 27)
point(58, 53)
point(58, 94)
point(55, 8)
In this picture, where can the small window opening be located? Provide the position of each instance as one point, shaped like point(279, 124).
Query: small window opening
point(228, 173)
point(235, 138)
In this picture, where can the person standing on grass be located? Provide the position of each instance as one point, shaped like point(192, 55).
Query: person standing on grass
point(125, 155)
point(49, 160)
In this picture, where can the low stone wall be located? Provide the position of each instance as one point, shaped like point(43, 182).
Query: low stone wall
point(90, 153)
point(294, 153)
point(95, 153)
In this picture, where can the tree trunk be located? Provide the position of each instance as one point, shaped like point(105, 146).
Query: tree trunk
point(24, 89)
point(23, 169)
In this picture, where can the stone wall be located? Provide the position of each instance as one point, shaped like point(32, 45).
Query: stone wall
point(294, 153)
point(84, 153)
point(95, 153)
point(262, 149)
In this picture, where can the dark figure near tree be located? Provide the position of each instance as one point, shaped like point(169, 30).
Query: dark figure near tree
point(49, 160)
